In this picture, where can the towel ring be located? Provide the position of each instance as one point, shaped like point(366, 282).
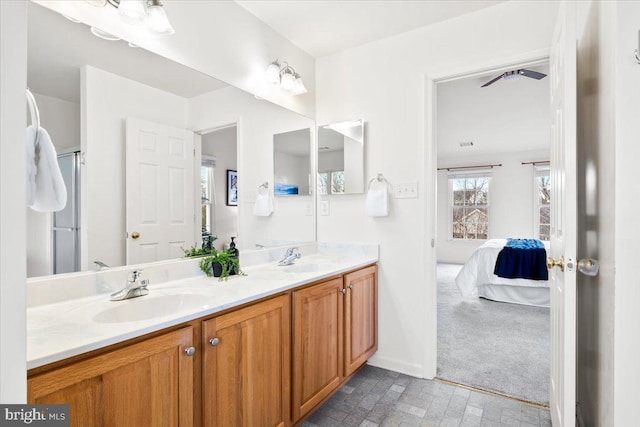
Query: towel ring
point(263, 186)
point(379, 178)
point(33, 110)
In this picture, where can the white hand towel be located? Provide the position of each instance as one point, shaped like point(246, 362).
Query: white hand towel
point(31, 165)
point(377, 202)
point(264, 205)
point(50, 192)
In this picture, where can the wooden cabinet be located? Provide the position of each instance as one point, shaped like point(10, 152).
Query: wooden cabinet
point(361, 318)
point(246, 366)
point(334, 333)
point(317, 344)
point(149, 383)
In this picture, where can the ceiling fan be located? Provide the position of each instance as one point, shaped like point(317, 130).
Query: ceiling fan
point(515, 73)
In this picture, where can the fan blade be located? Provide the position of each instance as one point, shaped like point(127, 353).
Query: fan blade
point(494, 80)
point(533, 74)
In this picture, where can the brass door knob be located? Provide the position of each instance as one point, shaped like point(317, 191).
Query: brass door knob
point(555, 263)
point(135, 235)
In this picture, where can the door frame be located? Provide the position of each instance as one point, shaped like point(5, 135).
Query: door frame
point(431, 80)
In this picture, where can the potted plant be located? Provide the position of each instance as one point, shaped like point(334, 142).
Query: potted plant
point(220, 264)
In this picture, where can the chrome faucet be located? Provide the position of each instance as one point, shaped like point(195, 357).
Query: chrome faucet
point(290, 256)
point(133, 288)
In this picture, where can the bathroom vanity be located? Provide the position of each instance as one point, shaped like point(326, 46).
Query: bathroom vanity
point(262, 349)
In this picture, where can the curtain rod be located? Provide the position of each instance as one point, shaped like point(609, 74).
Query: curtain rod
point(470, 167)
point(539, 162)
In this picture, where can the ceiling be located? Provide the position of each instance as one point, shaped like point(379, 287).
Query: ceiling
point(324, 27)
point(58, 48)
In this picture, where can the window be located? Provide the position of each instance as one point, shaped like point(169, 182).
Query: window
point(542, 203)
point(207, 195)
point(331, 182)
point(469, 205)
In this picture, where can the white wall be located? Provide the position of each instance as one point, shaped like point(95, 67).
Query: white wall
point(330, 161)
point(223, 144)
point(292, 169)
point(511, 201)
point(627, 232)
point(61, 119)
point(257, 122)
point(107, 100)
point(390, 93)
point(13, 80)
point(218, 38)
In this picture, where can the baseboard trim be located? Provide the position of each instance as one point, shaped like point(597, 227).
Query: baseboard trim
point(413, 370)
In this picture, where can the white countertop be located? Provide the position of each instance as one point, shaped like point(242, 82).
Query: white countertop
point(63, 329)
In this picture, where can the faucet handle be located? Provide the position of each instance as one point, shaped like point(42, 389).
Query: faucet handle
point(135, 274)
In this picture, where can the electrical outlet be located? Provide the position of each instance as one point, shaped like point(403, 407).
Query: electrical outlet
point(406, 190)
point(324, 207)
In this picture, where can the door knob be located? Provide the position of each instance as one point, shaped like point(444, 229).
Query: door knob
point(555, 263)
point(135, 235)
point(589, 267)
point(214, 341)
point(190, 351)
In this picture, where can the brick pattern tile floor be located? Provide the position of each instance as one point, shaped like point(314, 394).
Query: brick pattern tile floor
point(378, 397)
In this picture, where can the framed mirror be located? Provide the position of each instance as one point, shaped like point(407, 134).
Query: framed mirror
point(341, 158)
point(292, 163)
point(99, 98)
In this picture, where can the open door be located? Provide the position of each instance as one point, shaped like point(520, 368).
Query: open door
point(562, 279)
point(160, 191)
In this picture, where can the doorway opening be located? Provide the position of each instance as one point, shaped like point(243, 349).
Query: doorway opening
point(218, 154)
point(492, 146)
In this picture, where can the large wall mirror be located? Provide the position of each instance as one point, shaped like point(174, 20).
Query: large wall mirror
point(117, 116)
point(341, 158)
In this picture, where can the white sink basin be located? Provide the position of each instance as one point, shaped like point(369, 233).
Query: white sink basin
point(306, 268)
point(149, 307)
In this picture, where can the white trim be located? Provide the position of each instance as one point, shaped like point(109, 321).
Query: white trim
point(431, 79)
point(413, 369)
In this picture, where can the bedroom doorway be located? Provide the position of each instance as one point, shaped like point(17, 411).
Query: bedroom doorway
point(492, 144)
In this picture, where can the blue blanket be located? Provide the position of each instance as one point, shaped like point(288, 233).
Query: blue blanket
point(522, 259)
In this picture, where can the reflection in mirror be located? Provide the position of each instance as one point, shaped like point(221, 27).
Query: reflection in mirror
point(115, 106)
point(341, 158)
point(292, 163)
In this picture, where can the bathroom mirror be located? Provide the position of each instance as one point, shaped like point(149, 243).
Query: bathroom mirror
point(89, 92)
point(292, 163)
point(341, 158)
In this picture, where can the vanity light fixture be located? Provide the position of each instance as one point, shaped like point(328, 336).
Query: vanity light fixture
point(285, 77)
point(140, 12)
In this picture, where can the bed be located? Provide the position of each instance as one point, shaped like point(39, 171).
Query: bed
point(477, 279)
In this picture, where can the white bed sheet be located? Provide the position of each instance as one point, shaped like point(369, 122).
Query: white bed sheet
point(476, 279)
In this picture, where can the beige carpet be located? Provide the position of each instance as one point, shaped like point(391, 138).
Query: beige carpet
point(499, 347)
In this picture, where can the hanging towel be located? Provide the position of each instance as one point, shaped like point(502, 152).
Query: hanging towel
point(264, 205)
point(377, 202)
point(47, 192)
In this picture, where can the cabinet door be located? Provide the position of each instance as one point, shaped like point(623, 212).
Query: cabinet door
point(361, 318)
point(149, 383)
point(246, 368)
point(317, 344)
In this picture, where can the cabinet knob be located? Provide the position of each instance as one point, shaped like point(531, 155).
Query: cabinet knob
point(214, 341)
point(343, 290)
point(350, 286)
point(190, 351)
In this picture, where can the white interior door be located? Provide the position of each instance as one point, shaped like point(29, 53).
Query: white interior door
point(160, 191)
point(563, 217)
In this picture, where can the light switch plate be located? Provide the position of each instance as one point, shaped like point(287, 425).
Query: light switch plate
point(324, 207)
point(406, 190)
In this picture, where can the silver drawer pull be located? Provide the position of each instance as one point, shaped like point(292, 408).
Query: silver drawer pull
point(214, 341)
point(190, 351)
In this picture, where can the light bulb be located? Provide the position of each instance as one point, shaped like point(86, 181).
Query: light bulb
point(272, 73)
point(158, 20)
point(132, 11)
point(298, 86)
point(287, 81)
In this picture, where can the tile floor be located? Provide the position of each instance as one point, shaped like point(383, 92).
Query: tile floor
point(377, 397)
